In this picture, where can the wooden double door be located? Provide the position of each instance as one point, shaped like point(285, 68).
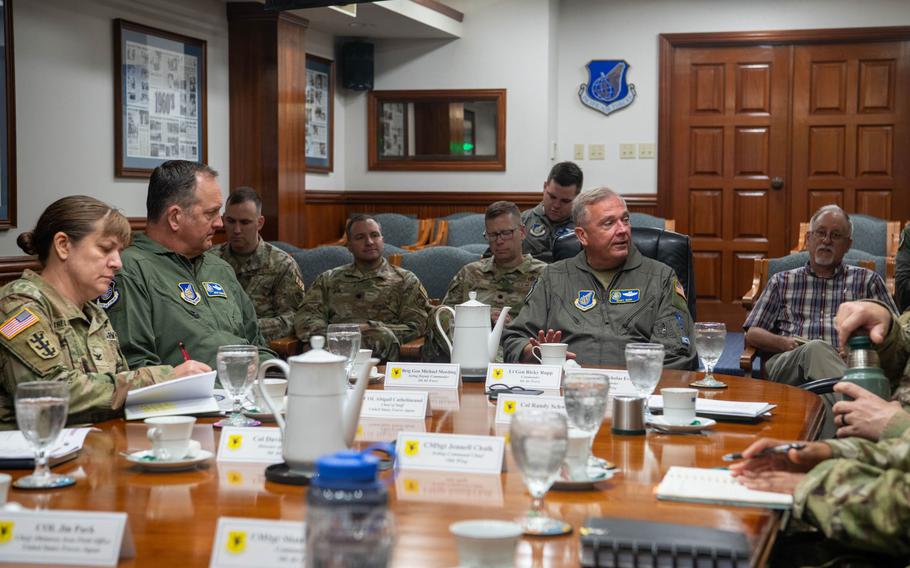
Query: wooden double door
point(755, 138)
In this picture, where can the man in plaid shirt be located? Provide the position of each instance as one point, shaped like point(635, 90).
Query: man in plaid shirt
point(794, 317)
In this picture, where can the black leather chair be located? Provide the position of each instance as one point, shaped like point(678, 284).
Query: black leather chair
point(672, 249)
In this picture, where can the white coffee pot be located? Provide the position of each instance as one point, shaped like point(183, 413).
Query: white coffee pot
point(322, 412)
point(475, 345)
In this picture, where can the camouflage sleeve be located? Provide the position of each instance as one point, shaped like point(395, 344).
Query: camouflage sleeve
point(457, 292)
point(673, 326)
point(413, 312)
point(902, 272)
point(884, 454)
point(287, 298)
point(313, 315)
point(251, 326)
point(893, 354)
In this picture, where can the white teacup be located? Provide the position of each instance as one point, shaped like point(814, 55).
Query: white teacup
point(362, 358)
point(550, 353)
point(486, 543)
point(276, 388)
point(679, 405)
point(170, 436)
point(577, 454)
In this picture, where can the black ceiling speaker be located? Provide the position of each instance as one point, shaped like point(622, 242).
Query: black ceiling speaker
point(357, 66)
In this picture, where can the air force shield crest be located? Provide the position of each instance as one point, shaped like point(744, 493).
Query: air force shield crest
point(607, 89)
point(188, 293)
point(585, 300)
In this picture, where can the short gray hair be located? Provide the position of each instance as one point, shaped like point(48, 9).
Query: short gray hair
point(831, 208)
point(590, 197)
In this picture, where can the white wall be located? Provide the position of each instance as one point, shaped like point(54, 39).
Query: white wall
point(65, 98)
point(629, 29)
point(322, 44)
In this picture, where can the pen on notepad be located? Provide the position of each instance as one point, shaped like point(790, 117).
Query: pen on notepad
point(186, 356)
point(782, 449)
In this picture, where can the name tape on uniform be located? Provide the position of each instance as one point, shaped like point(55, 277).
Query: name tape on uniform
point(450, 452)
point(508, 404)
point(395, 404)
point(527, 376)
point(258, 445)
point(79, 538)
point(241, 542)
point(438, 375)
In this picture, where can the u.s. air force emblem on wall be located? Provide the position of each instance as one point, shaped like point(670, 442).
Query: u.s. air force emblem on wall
point(607, 89)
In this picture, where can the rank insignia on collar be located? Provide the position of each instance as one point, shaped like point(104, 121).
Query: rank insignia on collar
point(585, 300)
point(628, 296)
point(188, 293)
point(538, 230)
point(110, 297)
point(214, 290)
point(607, 89)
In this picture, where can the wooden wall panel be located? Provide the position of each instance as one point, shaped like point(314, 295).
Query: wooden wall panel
point(706, 213)
point(753, 88)
point(817, 198)
point(826, 151)
point(708, 269)
point(877, 82)
point(828, 88)
point(708, 89)
point(752, 151)
point(874, 202)
point(750, 214)
point(874, 150)
point(707, 152)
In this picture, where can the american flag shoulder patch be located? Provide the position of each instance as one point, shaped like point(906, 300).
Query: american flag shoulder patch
point(18, 323)
point(679, 288)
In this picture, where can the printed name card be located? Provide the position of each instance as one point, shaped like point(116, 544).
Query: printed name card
point(258, 445)
point(254, 543)
point(438, 375)
point(450, 452)
point(50, 536)
point(527, 376)
point(383, 430)
point(395, 404)
point(508, 404)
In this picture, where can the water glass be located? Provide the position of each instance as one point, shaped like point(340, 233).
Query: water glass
point(237, 366)
point(41, 410)
point(586, 396)
point(344, 339)
point(710, 338)
point(539, 441)
point(645, 362)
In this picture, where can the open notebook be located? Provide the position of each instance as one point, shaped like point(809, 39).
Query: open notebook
point(187, 395)
point(718, 487)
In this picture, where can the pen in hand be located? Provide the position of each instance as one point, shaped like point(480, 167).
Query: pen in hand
point(782, 449)
point(186, 356)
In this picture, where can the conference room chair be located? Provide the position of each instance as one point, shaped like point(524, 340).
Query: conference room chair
point(399, 230)
point(460, 230)
point(645, 220)
point(875, 236)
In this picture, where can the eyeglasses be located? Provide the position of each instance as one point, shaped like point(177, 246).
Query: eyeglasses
point(506, 235)
point(835, 236)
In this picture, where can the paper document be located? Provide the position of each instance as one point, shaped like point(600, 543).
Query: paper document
point(716, 486)
point(187, 395)
point(15, 451)
point(722, 408)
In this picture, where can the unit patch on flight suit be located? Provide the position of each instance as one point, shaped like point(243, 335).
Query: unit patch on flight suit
point(214, 290)
point(585, 300)
point(538, 230)
point(188, 293)
point(627, 296)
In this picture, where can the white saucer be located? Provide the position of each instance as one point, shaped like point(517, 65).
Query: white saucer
point(142, 459)
point(375, 377)
point(262, 414)
point(596, 474)
point(697, 425)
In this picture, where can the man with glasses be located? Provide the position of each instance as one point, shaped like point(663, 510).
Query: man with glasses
point(793, 319)
point(552, 218)
point(504, 279)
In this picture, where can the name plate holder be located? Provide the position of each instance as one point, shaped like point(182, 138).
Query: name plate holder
point(395, 404)
point(433, 375)
point(242, 542)
point(508, 404)
point(546, 377)
point(450, 452)
point(252, 445)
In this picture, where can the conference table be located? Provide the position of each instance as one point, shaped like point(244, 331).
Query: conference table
point(173, 515)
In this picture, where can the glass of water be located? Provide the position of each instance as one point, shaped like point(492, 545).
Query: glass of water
point(344, 339)
point(645, 362)
point(237, 366)
point(710, 338)
point(539, 441)
point(586, 396)
point(41, 409)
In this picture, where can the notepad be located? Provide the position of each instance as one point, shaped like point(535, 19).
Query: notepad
point(17, 453)
point(717, 487)
point(187, 395)
point(721, 409)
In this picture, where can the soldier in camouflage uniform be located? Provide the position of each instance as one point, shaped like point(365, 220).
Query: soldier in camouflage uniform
point(552, 218)
point(269, 276)
point(50, 330)
point(388, 302)
point(503, 279)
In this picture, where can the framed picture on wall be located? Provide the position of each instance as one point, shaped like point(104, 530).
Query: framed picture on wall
point(7, 121)
point(393, 135)
point(320, 113)
point(159, 98)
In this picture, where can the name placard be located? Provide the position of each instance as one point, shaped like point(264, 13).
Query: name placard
point(450, 452)
point(437, 375)
point(241, 542)
point(508, 404)
point(79, 538)
point(446, 487)
point(258, 445)
point(528, 376)
point(620, 383)
point(395, 404)
point(383, 430)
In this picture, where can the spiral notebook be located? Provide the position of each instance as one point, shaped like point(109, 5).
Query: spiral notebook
point(717, 487)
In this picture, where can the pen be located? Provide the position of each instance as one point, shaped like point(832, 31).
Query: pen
point(782, 449)
point(186, 356)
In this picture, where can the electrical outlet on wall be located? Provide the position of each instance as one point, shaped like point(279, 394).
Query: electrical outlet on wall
point(627, 151)
point(579, 151)
point(596, 152)
point(646, 151)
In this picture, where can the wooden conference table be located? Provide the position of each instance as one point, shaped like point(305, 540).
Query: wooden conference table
point(173, 515)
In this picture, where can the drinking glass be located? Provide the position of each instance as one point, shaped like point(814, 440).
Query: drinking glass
point(709, 341)
point(344, 339)
point(237, 366)
point(41, 409)
point(539, 441)
point(645, 361)
point(586, 396)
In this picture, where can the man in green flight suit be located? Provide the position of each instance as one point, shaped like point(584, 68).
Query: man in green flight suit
point(605, 297)
point(552, 217)
point(170, 301)
point(388, 302)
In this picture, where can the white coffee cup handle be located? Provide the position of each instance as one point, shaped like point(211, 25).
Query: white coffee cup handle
point(153, 434)
point(537, 353)
point(286, 371)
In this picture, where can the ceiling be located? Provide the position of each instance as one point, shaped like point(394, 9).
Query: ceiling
point(389, 19)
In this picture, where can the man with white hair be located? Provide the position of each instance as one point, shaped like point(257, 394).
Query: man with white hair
point(793, 319)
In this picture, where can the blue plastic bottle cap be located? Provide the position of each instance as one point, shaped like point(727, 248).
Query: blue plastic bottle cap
point(347, 465)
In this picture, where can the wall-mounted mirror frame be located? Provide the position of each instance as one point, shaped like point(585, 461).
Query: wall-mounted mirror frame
point(377, 100)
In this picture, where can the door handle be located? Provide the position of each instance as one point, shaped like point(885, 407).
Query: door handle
point(777, 182)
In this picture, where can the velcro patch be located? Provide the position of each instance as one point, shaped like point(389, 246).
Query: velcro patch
point(214, 290)
point(18, 323)
point(627, 296)
point(41, 346)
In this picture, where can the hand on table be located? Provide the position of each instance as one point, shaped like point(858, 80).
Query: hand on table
point(866, 416)
point(794, 461)
point(776, 481)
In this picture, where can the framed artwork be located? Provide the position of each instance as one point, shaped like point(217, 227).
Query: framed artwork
point(393, 131)
point(7, 122)
point(159, 98)
point(320, 113)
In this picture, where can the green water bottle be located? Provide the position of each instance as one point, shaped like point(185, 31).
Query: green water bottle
point(863, 367)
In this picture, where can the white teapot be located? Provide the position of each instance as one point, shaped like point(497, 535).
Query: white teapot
point(322, 413)
point(475, 345)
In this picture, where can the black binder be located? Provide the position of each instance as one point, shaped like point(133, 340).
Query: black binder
point(608, 542)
